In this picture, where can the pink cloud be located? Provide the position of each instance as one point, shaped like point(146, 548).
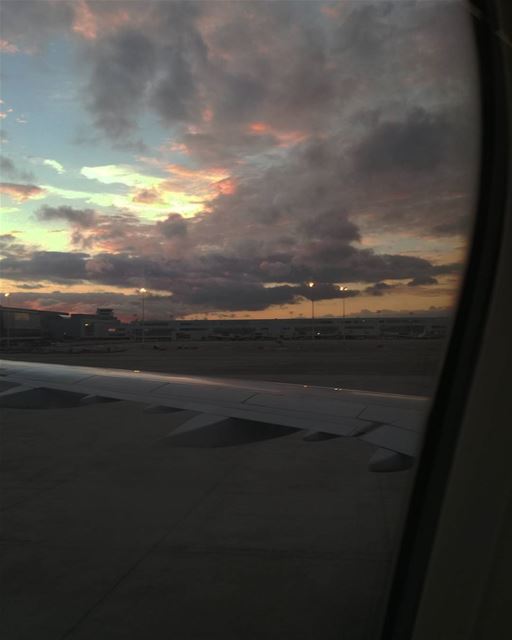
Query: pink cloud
point(226, 187)
point(90, 24)
point(283, 138)
point(259, 127)
point(8, 47)
point(147, 196)
point(21, 192)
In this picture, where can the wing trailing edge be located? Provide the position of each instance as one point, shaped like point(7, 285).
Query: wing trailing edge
point(231, 412)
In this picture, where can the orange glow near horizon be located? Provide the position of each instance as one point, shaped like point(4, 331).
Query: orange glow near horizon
point(259, 127)
point(443, 298)
point(209, 179)
point(215, 173)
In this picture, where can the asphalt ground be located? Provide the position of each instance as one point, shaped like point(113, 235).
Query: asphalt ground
point(110, 532)
point(393, 366)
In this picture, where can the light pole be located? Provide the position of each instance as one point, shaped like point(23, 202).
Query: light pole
point(142, 291)
point(311, 285)
point(6, 295)
point(343, 289)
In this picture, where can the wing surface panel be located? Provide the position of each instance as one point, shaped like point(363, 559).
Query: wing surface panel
point(392, 422)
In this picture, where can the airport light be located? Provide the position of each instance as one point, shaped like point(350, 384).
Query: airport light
point(311, 285)
point(142, 292)
point(343, 289)
point(6, 295)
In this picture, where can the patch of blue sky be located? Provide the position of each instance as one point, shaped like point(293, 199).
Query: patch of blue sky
point(45, 91)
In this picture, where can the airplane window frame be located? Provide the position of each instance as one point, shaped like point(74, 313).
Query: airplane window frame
point(490, 19)
point(472, 321)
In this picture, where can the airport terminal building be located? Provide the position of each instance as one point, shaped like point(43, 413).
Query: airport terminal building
point(19, 325)
point(33, 326)
point(29, 326)
point(292, 329)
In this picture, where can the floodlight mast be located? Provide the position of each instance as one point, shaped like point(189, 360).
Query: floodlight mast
point(6, 295)
point(143, 291)
point(343, 289)
point(311, 285)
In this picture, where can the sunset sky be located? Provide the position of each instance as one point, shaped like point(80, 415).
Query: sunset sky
point(222, 154)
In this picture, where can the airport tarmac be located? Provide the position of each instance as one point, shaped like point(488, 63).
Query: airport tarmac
point(394, 366)
point(110, 532)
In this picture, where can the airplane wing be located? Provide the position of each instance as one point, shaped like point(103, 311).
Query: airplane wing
point(230, 412)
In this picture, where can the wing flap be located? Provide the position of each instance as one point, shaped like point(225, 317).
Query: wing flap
point(386, 461)
point(404, 418)
point(24, 397)
point(207, 430)
point(239, 411)
point(393, 438)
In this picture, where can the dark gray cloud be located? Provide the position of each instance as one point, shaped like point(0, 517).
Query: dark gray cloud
point(30, 24)
point(11, 247)
point(83, 218)
point(7, 166)
point(324, 291)
point(228, 295)
point(10, 170)
point(416, 143)
point(454, 268)
point(30, 286)
point(210, 281)
point(147, 196)
point(455, 221)
point(126, 305)
point(148, 62)
point(286, 64)
point(332, 126)
point(282, 226)
point(380, 288)
point(55, 266)
point(123, 68)
point(173, 225)
point(422, 280)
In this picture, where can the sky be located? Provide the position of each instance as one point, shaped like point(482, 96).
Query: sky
point(224, 154)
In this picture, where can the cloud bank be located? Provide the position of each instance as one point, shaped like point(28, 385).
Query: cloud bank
point(303, 133)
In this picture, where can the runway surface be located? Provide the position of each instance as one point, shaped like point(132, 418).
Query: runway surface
point(110, 532)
